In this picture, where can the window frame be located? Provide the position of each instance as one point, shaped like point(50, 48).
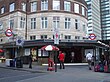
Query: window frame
point(67, 6)
point(44, 22)
point(33, 23)
point(12, 7)
point(44, 5)
point(34, 6)
point(54, 5)
point(67, 23)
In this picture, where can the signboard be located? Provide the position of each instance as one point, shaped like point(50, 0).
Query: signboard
point(19, 42)
point(8, 32)
point(92, 36)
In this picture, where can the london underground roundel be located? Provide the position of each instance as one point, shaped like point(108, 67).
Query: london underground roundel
point(8, 32)
point(92, 36)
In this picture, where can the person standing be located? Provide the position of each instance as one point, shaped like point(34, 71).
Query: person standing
point(61, 59)
point(30, 60)
point(89, 60)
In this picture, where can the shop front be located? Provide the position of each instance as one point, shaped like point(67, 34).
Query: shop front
point(70, 48)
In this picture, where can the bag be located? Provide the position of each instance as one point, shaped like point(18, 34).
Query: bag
point(101, 68)
point(97, 68)
point(105, 68)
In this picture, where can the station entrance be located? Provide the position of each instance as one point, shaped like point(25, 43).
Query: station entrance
point(78, 55)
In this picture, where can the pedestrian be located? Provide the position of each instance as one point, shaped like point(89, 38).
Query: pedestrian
point(30, 60)
point(89, 60)
point(72, 56)
point(61, 60)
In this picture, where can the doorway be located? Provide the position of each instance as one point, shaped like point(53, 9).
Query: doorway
point(77, 54)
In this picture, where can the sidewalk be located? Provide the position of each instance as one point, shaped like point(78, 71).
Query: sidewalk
point(35, 68)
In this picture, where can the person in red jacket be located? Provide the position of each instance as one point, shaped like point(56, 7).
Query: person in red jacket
point(61, 59)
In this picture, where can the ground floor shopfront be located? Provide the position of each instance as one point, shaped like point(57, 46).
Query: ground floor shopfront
point(79, 48)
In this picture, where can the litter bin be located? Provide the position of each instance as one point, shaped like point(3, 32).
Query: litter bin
point(12, 63)
point(19, 63)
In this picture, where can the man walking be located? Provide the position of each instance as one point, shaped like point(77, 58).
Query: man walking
point(89, 59)
point(30, 60)
point(61, 59)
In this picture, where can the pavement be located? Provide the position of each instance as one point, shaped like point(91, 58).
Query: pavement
point(35, 68)
point(79, 72)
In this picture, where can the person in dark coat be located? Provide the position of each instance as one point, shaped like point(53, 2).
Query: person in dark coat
point(30, 61)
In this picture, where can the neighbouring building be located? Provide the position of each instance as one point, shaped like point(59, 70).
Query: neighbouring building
point(94, 22)
point(105, 19)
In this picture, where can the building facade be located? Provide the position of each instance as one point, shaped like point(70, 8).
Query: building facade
point(39, 19)
point(94, 24)
point(105, 19)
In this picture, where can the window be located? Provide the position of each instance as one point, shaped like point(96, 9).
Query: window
point(12, 7)
point(56, 5)
point(44, 5)
point(67, 23)
point(1, 40)
point(32, 37)
point(76, 8)
point(22, 22)
point(42, 53)
point(23, 6)
point(44, 22)
point(67, 6)
point(1, 25)
point(43, 36)
point(83, 11)
point(33, 23)
point(2, 10)
point(33, 6)
point(56, 23)
point(11, 24)
point(67, 37)
point(76, 24)
point(77, 37)
point(84, 28)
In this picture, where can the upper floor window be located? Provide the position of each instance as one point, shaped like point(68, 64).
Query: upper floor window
point(76, 8)
point(11, 23)
point(33, 23)
point(83, 11)
point(1, 25)
point(2, 10)
point(43, 36)
point(22, 22)
point(56, 22)
point(67, 6)
point(84, 28)
point(77, 37)
point(67, 23)
point(76, 24)
point(67, 37)
point(33, 37)
point(23, 6)
point(33, 6)
point(12, 7)
point(44, 5)
point(44, 22)
point(56, 5)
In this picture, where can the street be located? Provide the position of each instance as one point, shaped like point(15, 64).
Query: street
point(69, 74)
point(9, 75)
